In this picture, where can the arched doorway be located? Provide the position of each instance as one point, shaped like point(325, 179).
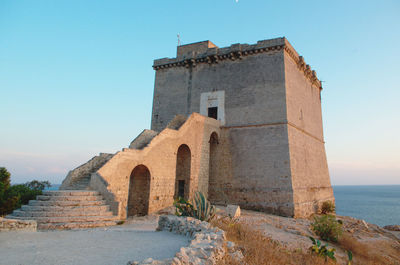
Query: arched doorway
point(139, 191)
point(182, 180)
point(212, 174)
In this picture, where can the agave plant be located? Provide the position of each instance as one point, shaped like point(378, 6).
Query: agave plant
point(200, 208)
point(203, 210)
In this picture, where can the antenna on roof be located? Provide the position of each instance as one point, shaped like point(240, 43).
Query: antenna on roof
point(179, 39)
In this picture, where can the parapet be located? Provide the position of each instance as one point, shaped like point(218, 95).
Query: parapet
point(207, 52)
point(197, 47)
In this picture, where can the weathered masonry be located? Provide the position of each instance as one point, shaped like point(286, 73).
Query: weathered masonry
point(270, 153)
point(242, 124)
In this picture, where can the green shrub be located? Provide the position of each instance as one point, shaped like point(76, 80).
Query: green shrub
point(23, 193)
point(13, 196)
point(200, 209)
point(4, 181)
point(349, 256)
point(327, 207)
point(327, 227)
point(38, 185)
point(7, 204)
point(322, 251)
point(183, 207)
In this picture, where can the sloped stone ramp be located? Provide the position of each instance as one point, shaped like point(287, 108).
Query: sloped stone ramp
point(67, 209)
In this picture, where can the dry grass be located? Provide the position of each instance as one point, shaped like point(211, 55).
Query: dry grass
point(260, 250)
point(381, 252)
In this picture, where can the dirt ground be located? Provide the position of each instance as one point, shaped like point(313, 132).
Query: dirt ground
point(134, 240)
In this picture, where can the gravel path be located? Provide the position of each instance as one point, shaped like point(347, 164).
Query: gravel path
point(112, 245)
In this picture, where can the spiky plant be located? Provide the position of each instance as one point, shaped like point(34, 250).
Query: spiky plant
point(203, 210)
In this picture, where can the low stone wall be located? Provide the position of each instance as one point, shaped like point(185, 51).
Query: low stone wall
point(15, 224)
point(207, 245)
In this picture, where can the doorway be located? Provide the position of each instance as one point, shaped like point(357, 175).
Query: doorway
point(182, 179)
point(139, 191)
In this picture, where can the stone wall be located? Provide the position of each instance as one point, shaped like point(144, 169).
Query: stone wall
point(308, 163)
point(98, 183)
point(17, 224)
point(198, 47)
point(270, 154)
point(254, 89)
point(160, 158)
point(253, 169)
point(207, 244)
point(79, 177)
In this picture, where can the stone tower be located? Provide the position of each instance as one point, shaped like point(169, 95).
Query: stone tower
point(270, 153)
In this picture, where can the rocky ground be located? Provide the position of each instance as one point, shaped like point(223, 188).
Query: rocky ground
point(294, 234)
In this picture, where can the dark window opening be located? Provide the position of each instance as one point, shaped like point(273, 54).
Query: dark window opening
point(213, 112)
point(181, 188)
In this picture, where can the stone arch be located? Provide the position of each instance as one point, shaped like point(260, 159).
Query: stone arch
point(212, 166)
point(139, 191)
point(183, 168)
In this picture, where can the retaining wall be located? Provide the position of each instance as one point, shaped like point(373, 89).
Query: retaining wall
point(207, 244)
point(14, 224)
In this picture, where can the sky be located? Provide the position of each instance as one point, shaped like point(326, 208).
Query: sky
point(76, 77)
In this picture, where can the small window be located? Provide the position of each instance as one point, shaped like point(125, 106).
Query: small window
point(181, 188)
point(213, 112)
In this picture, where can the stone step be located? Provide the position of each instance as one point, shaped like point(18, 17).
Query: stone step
point(65, 208)
point(65, 203)
point(35, 214)
point(68, 198)
point(71, 193)
point(69, 219)
point(77, 187)
point(81, 225)
point(81, 186)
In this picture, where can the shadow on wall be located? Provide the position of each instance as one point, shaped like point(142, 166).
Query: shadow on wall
point(98, 183)
point(139, 191)
point(182, 180)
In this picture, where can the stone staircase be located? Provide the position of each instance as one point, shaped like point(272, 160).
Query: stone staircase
point(79, 178)
point(67, 209)
point(80, 184)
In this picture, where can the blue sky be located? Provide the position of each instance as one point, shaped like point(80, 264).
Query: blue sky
point(76, 76)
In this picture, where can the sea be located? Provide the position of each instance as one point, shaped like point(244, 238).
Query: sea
point(53, 187)
point(378, 205)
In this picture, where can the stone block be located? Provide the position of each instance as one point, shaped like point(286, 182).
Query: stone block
point(233, 211)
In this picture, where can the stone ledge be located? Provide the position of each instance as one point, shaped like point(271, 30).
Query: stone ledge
point(237, 52)
point(214, 55)
point(207, 245)
point(17, 225)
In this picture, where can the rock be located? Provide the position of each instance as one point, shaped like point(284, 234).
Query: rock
point(176, 261)
point(206, 245)
point(364, 223)
point(233, 211)
point(237, 255)
point(350, 230)
point(149, 260)
point(8, 224)
point(392, 227)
